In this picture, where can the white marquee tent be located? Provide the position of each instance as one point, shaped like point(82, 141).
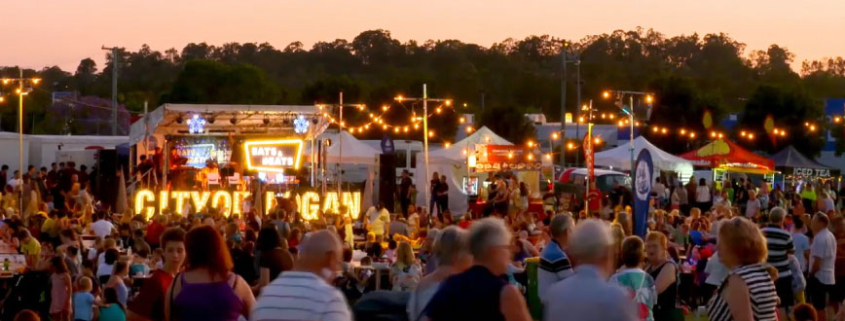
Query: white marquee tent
point(619, 158)
point(452, 162)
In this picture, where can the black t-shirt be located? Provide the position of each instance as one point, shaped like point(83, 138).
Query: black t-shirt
point(405, 186)
point(277, 261)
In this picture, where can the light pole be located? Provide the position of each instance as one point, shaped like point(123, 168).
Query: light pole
point(22, 91)
point(425, 101)
point(620, 95)
point(114, 59)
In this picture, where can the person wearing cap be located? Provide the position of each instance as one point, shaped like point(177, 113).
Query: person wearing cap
point(554, 263)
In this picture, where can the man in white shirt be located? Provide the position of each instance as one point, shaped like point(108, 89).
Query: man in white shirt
point(305, 293)
point(15, 181)
point(101, 227)
point(822, 256)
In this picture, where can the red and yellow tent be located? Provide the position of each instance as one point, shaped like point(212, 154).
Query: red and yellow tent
point(728, 155)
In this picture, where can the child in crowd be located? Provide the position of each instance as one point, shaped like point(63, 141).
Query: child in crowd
point(799, 283)
point(27, 315)
point(88, 272)
point(156, 262)
point(390, 254)
point(140, 263)
point(61, 290)
point(804, 312)
point(112, 309)
point(84, 301)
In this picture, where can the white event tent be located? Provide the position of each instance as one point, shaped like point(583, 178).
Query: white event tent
point(356, 159)
point(452, 162)
point(619, 158)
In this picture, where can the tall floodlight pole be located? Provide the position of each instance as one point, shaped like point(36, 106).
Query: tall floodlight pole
point(21, 91)
point(425, 99)
point(114, 64)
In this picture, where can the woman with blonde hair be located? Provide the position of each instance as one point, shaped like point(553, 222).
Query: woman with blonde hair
point(405, 273)
point(664, 273)
point(453, 257)
point(624, 219)
point(618, 234)
point(748, 293)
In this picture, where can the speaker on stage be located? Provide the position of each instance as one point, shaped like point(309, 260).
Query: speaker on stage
point(106, 180)
point(387, 179)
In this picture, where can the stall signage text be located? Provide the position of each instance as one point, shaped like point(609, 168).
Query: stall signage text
point(273, 156)
point(811, 172)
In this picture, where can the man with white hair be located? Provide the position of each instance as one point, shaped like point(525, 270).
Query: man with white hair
point(586, 295)
point(306, 293)
point(481, 293)
point(780, 245)
point(554, 263)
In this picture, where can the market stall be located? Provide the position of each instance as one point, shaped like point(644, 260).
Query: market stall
point(724, 157)
point(468, 163)
point(797, 167)
point(619, 159)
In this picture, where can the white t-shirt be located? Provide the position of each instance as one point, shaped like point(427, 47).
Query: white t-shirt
point(824, 247)
point(102, 228)
point(702, 194)
point(802, 243)
point(752, 207)
point(378, 220)
point(14, 182)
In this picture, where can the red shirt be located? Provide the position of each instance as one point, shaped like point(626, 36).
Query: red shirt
point(595, 197)
point(150, 300)
point(154, 231)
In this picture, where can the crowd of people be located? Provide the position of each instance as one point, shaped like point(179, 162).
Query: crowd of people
point(735, 251)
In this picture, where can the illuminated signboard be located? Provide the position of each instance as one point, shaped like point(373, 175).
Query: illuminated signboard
point(309, 204)
point(273, 155)
point(197, 154)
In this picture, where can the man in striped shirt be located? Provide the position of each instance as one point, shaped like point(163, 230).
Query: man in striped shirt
point(305, 293)
point(780, 246)
point(554, 263)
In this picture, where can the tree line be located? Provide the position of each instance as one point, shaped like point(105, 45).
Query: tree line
point(687, 73)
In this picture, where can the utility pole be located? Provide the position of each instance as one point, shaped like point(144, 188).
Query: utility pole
point(114, 60)
point(425, 101)
point(577, 62)
point(563, 103)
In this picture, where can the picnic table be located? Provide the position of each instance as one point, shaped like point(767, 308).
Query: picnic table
point(377, 266)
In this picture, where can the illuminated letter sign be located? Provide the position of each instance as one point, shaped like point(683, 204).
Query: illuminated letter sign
point(273, 156)
point(141, 198)
point(309, 204)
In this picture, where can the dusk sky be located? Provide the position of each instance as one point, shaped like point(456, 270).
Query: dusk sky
point(37, 33)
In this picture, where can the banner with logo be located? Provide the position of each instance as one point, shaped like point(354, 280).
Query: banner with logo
point(589, 153)
point(494, 158)
point(642, 191)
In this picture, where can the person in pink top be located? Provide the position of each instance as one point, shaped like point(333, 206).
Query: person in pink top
point(60, 292)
